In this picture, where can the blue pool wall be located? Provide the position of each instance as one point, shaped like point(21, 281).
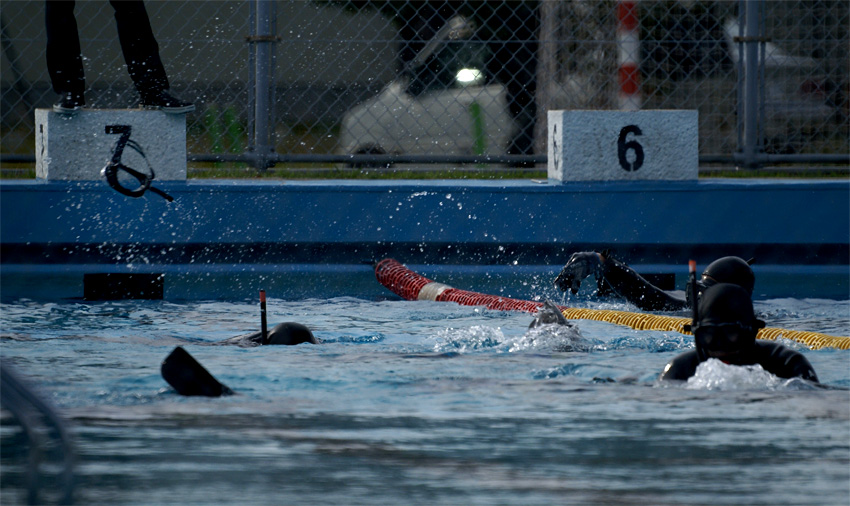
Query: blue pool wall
point(225, 239)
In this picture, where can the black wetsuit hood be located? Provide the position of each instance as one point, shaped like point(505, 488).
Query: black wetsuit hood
point(727, 304)
point(733, 270)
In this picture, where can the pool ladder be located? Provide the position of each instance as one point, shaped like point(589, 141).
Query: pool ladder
point(43, 428)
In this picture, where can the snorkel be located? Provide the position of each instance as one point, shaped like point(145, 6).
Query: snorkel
point(692, 289)
point(692, 282)
point(264, 330)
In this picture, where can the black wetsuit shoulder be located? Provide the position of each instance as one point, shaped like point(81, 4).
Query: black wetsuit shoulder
point(773, 358)
point(633, 287)
point(783, 362)
point(682, 367)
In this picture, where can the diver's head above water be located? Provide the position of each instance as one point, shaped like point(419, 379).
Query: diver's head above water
point(547, 314)
point(733, 270)
point(726, 327)
point(290, 333)
point(287, 334)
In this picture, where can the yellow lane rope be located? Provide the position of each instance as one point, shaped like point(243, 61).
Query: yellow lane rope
point(643, 321)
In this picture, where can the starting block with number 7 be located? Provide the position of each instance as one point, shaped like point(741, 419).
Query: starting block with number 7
point(623, 145)
point(77, 147)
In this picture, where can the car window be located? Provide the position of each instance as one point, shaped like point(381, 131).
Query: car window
point(457, 64)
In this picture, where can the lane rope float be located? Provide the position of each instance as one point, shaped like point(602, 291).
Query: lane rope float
point(412, 286)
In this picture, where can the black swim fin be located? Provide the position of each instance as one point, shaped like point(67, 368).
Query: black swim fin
point(189, 377)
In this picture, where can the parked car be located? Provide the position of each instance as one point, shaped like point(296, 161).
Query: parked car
point(785, 92)
point(443, 103)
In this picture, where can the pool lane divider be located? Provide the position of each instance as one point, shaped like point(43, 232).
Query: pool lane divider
point(412, 286)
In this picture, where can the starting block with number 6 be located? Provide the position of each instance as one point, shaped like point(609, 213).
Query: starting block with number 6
point(623, 145)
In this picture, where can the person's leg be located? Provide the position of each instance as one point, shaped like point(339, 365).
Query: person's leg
point(141, 52)
point(64, 58)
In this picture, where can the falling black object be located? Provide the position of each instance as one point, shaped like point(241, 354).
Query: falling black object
point(188, 377)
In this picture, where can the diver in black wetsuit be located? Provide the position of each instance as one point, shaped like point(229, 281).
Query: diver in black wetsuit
point(188, 377)
point(726, 329)
point(613, 275)
point(287, 334)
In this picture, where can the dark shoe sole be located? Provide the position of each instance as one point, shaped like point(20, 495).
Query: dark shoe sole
point(66, 110)
point(170, 110)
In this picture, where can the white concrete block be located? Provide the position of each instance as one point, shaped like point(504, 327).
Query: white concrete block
point(78, 147)
point(623, 145)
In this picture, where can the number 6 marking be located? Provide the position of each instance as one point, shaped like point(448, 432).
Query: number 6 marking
point(623, 146)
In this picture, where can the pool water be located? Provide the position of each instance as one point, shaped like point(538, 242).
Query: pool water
point(424, 403)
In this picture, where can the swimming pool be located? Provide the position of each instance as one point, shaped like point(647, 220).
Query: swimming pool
point(423, 403)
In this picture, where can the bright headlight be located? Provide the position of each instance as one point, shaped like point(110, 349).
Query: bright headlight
point(469, 76)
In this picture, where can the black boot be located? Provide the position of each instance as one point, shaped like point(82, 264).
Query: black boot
point(164, 101)
point(69, 103)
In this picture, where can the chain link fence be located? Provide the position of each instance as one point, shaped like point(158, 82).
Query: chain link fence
point(446, 81)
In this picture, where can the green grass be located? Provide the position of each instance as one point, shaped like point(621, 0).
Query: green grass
point(778, 172)
point(197, 170)
point(17, 171)
point(316, 171)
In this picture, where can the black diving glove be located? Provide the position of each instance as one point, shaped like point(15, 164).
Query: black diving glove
point(579, 266)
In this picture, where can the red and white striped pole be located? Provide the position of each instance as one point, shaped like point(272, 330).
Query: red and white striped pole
point(629, 44)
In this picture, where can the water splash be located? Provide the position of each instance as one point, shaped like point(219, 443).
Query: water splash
point(552, 337)
point(469, 339)
point(549, 338)
point(716, 375)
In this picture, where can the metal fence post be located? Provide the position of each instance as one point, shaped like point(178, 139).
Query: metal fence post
point(752, 41)
point(262, 61)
